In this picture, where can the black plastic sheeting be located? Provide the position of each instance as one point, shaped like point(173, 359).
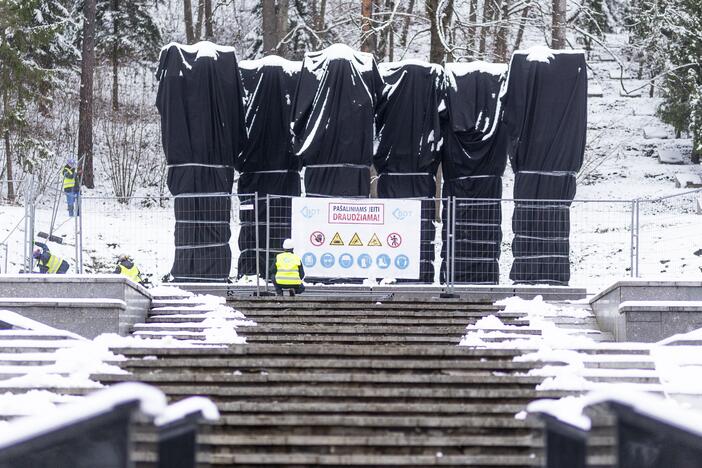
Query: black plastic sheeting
point(333, 120)
point(202, 125)
point(267, 165)
point(546, 118)
point(409, 139)
point(474, 156)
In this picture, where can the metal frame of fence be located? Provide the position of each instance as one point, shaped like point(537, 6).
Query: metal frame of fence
point(607, 239)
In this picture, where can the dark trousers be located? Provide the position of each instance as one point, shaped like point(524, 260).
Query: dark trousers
point(71, 202)
point(293, 289)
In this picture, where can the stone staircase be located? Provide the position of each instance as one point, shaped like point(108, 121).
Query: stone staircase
point(352, 380)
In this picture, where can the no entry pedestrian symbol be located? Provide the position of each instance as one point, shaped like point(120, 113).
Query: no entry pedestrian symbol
point(336, 240)
point(394, 240)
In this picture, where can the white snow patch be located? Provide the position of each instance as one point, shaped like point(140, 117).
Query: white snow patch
point(183, 408)
point(152, 402)
point(289, 67)
point(465, 68)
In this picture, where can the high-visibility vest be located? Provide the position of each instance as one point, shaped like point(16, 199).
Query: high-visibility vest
point(287, 269)
point(69, 181)
point(131, 273)
point(53, 264)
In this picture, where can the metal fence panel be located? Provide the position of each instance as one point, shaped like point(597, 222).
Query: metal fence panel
point(670, 236)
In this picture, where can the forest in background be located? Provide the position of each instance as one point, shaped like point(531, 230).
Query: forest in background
point(77, 76)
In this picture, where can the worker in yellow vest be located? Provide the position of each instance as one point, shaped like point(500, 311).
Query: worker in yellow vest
point(71, 186)
point(125, 266)
point(288, 271)
point(48, 262)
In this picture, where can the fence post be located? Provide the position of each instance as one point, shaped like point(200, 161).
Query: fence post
point(638, 236)
point(635, 233)
point(78, 232)
point(29, 226)
point(258, 273)
point(268, 237)
point(452, 226)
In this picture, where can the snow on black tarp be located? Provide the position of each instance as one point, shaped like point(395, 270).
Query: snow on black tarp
point(409, 139)
point(333, 120)
point(474, 156)
point(202, 127)
point(267, 164)
point(546, 117)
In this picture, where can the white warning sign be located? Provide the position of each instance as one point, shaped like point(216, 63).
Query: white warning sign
point(376, 238)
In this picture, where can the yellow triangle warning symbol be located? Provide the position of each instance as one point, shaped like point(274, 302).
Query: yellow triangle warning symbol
point(374, 242)
point(336, 240)
point(356, 241)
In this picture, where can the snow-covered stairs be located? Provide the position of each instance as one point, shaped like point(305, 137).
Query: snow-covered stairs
point(346, 380)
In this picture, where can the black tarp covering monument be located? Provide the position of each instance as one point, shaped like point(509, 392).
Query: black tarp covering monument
point(409, 140)
point(202, 127)
point(333, 120)
point(267, 165)
point(546, 118)
point(474, 156)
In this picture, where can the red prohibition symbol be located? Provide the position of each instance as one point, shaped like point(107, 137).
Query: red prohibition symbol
point(394, 240)
point(317, 238)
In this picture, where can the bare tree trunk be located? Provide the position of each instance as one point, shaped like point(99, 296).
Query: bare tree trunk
point(321, 16)
point(436, 49)
point(522, 25)
point(209, 30)
point(502, 33)
point(558, 25)
point(8, 155)
point(85, 108)
point(268, 24)
point(472, 19)
point(282, 27)
point(115, 57)
point(366, 14)
point(200, 17)
point(488, 15)
point(406, 25)
point(391, 35)
point(445, 24)
point(188, 15)
point(8, 165)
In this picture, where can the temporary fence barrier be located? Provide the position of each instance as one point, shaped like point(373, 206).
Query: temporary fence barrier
point(464, 241)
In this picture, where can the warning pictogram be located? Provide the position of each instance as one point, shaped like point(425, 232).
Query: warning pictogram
point(394, 240)
point(317, 238)
point(356, 240)
point(374, 242)
point(336, 240)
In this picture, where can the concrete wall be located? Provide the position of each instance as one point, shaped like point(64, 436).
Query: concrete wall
point(632, 323)
point(86, 317)
point(135, 300)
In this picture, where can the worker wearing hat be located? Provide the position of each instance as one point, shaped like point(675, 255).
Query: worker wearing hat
point(288, 271)
point(48, 262)
point(125, 266)
point(71, 186)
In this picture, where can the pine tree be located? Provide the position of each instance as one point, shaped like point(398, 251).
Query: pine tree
point(125, 32)
point(681, 87)
point(32, 44)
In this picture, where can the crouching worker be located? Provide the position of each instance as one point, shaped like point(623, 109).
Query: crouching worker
point(125, 266)
point(48, 262)
point(288, 271)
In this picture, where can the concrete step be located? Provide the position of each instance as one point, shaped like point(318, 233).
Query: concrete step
point(311, 459)
point(229, 379)
point(345, 391)
point(355, 305)
point(319, 364)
